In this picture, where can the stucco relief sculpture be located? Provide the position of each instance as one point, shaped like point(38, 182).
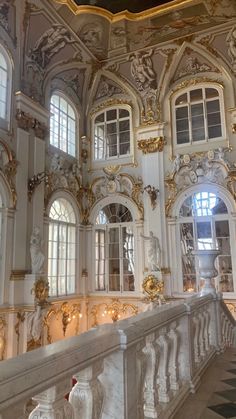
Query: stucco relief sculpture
point(49, 43)
point(37, 256)
point(91, 34)
point(142, 70)
point(153, 252)
point(153, 194)
point(231, 41)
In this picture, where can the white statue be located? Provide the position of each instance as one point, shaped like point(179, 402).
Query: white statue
point(153, 253)
point(177, 163)
point(37, 256)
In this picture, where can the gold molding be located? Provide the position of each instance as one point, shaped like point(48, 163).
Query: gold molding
point(151, 145)
point(154, 287)
point(165, 271)
point(25, 121)
point(80, 9)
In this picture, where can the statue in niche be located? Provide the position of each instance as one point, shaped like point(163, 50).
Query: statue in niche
point(153, 253)
point(50, 43)
point(37, 256)
point(142, 70)
point(231, 41)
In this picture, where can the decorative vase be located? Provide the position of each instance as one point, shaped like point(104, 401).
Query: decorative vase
point(207, 269)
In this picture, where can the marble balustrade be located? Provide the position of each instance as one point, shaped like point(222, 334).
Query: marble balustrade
point(141, 367)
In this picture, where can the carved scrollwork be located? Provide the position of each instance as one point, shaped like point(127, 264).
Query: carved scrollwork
point(8, 167)
point(25, 121)
point(151, 145)
point(190, 169)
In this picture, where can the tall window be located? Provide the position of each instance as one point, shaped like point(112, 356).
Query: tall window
point(62, 125)
point(5, 71)
point(114, 249)
point(61, 248)
point(204, 224)
point(198, 116)
point(112, 134)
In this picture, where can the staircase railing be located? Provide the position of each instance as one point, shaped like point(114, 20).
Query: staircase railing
point(141, 367)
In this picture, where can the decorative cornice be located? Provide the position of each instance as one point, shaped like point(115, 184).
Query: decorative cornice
point(25, 121)
point(111, 102)
point(151, 145)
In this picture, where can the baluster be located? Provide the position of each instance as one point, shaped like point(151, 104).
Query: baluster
point(196, 340)
point(52, 403)
point(202, 325)
point(163, 380)
point(207, 330)
point(173, 364)
point(87, 395)
point(149, 393)
point(140, 377)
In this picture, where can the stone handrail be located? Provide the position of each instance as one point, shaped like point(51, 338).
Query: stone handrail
point(141, 367)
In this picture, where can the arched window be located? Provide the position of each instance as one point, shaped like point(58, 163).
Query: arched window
point(62, 125)
point(204, 224)
point(62, 248)
point(114, 249)
point(5, 86)
point(198, 115)
point(112, 134)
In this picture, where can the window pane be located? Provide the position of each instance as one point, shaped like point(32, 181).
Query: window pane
point(197, 109)
point(211, 93)
point(111, 115)
point(215, 132)
point(181, 99)
point(182, 124)
point(99, 118)
point(182, 112)
point(123, 113)
point(183, 137)
point(213, 106)
point(195, 95)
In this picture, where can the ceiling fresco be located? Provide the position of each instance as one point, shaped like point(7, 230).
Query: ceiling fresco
point(117, 6)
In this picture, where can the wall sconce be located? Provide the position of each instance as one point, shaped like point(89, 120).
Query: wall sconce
point(233, 128)
point(35, 181)
point(153, 193)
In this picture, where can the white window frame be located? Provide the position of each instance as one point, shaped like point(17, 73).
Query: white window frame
point(122, 158)
point(5, 121)
point(67, 116)
point(181, 92)
point(106, 228)
point(68, 226)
